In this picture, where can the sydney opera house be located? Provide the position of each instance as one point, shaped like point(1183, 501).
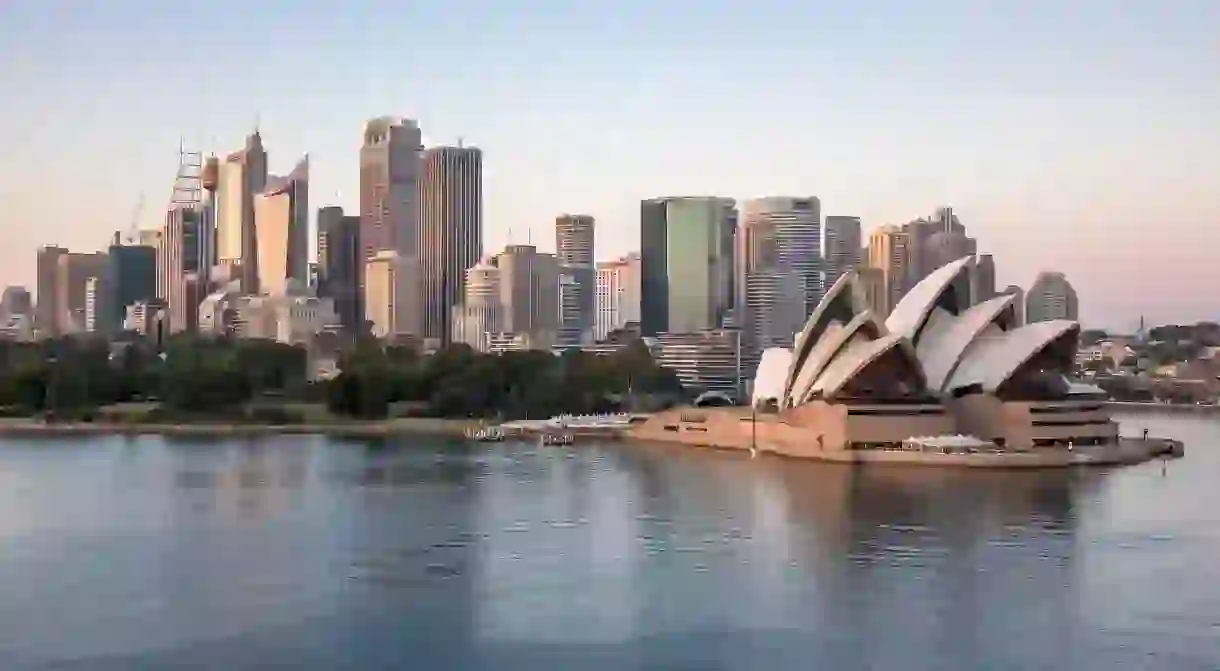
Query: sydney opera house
point(939, 376)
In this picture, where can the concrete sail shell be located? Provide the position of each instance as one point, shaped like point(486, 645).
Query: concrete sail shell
point(769, 378)
point(995, 357)
point(865, 325)
point(912, 312)
point(946, 338)
point(856, 357)
point(840, 304)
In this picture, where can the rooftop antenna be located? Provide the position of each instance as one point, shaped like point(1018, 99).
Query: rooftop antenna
point(459, 142)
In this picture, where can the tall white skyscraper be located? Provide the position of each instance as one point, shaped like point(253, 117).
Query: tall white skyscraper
point(618, 295)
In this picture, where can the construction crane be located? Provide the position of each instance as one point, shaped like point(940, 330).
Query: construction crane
point(133, 233)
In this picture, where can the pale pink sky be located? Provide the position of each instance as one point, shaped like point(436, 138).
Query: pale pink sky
point(1077, 136)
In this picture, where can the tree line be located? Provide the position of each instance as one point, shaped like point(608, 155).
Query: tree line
point(231, 378)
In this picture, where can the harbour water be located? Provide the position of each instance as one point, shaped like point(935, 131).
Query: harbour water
point(313, 553)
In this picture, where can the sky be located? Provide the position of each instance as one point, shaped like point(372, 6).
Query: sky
point(1078, 136)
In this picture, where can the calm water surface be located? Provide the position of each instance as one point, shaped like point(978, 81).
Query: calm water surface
point(310, 553)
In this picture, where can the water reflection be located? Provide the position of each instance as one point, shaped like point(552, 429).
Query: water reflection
point(310, 553)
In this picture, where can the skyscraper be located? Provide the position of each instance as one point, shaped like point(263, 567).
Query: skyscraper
point(982, 281)
point(339, 261)
point(1051, 296)
point(281, 227)
point(842, 246)
point(71, 282)
point(46, 314)
point(390, 167)
point(529, 294)
point(481, 312)
point(797, 226)
point(574, 238)
point(618, 295)
point(178, 267)
point(131, 276)
point(242, 175)
point(779, 282)
point(451, 227)
point(888, 251)
point(686, 262)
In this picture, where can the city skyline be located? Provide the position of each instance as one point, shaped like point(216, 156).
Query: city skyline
point(1082, 140)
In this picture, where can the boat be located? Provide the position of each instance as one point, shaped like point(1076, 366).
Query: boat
point(485, 434)
point(555, 439)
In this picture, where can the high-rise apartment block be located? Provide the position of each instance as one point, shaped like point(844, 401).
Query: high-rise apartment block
point(686, 261)
point(451, 227)
point(281, 227)
point(618, 295)
point(1050, 297)
point(340, 259)
point(241, 176)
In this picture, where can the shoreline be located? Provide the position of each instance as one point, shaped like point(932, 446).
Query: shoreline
point(1176, 408)
point(24, 428)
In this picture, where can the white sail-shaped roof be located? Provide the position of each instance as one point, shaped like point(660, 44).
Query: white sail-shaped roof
point(769, 378)
point(946, 337)
point(864, 325)
point(856, 357)
point(994, 357)
point(946, 344)
point(909, 316)
point(840, 304)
